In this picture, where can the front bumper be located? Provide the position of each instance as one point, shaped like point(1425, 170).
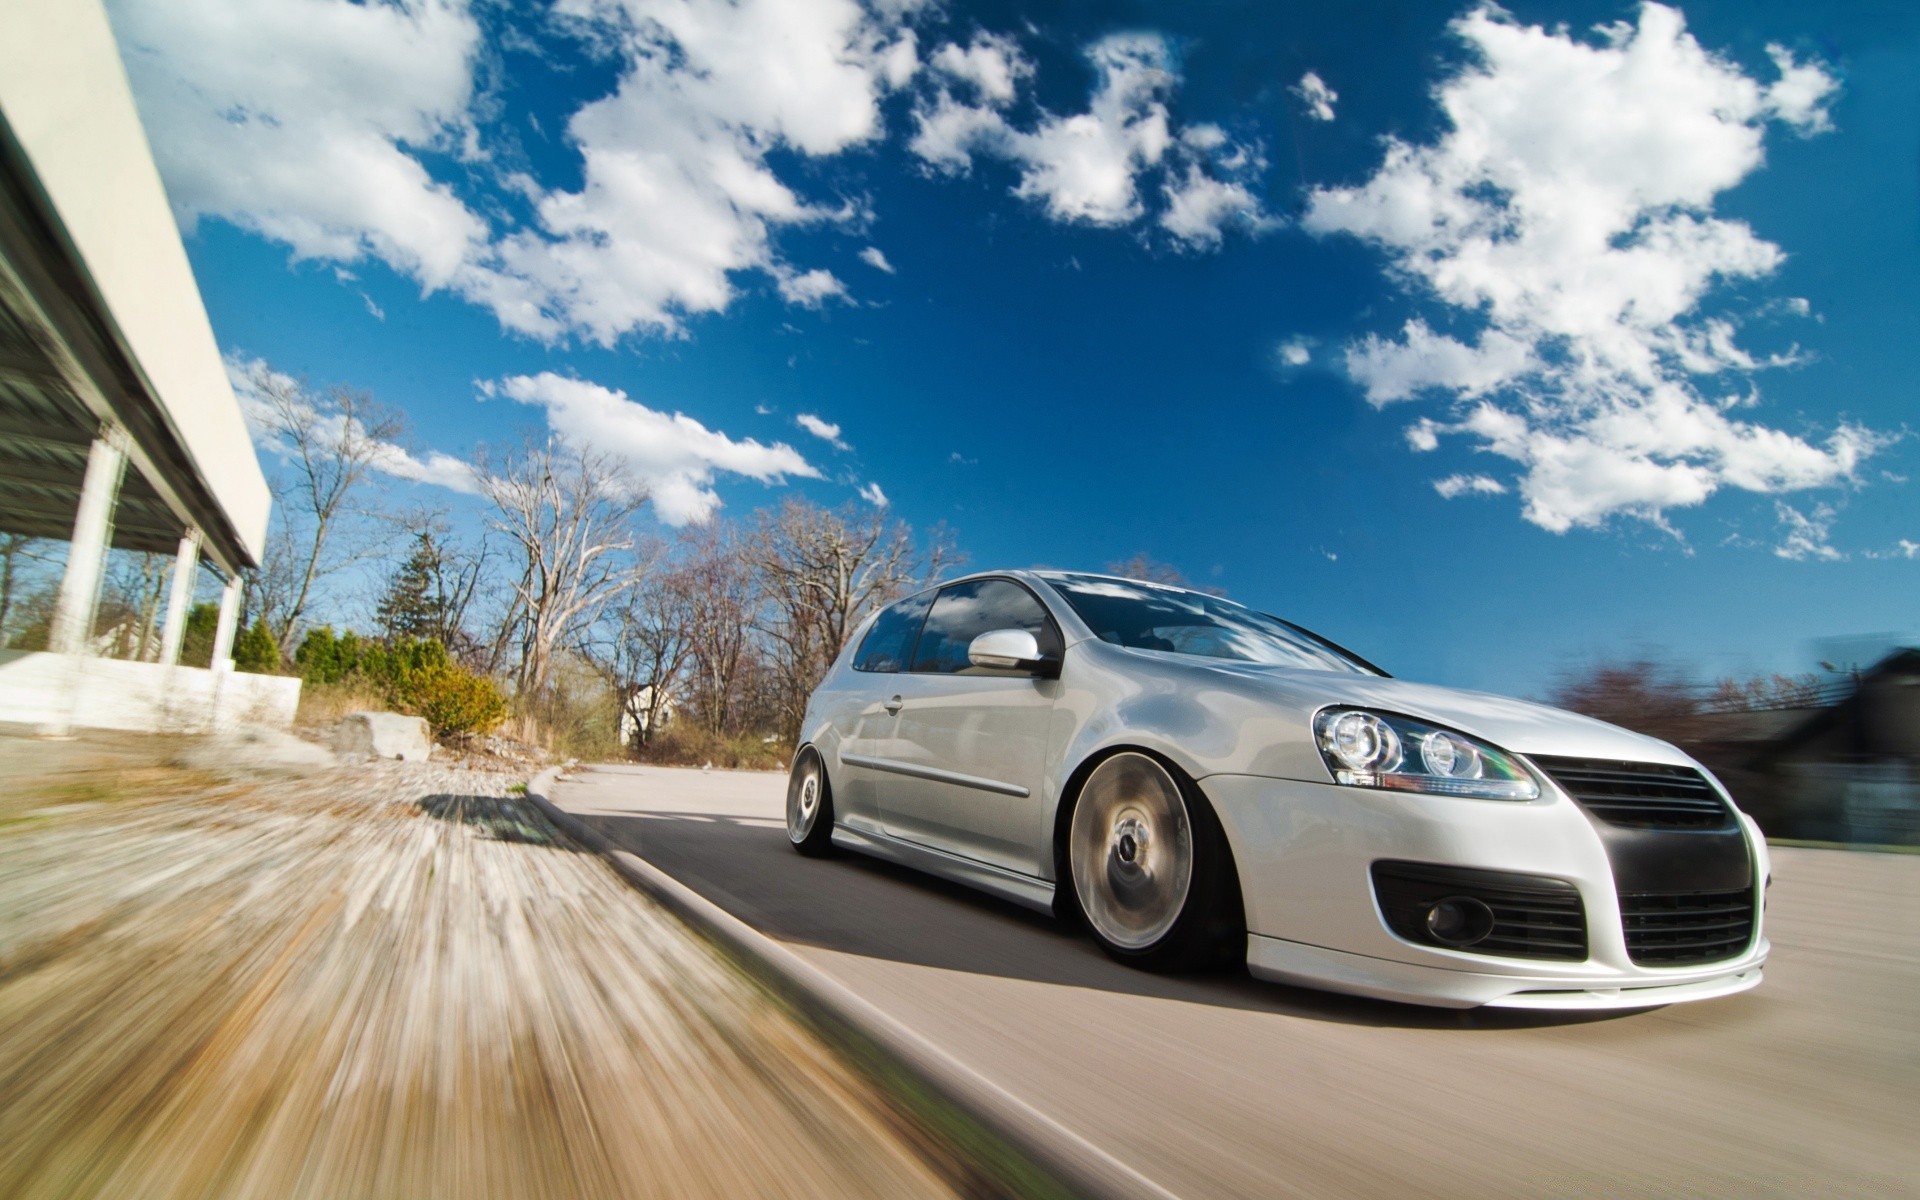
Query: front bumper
point(1305, 852)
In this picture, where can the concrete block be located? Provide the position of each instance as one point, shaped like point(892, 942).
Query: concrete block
point(383, 735)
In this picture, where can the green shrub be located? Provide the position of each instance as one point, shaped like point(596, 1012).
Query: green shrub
point(412, 676)
point(196, 646)
point(456, 702)
point(257, 651)
point(323, 658)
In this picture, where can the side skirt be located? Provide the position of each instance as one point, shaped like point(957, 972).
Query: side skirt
point(1023, 890)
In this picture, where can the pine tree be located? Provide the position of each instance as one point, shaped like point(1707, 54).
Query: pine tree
point(416, 604)
point(256, 650)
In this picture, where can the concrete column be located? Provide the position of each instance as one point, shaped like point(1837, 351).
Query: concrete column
point(186, 564)
point(92, 531)
point(223, 632)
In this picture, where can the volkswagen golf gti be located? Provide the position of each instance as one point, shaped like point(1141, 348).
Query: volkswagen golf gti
point(1199, 782)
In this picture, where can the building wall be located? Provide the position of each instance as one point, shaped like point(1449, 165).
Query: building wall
point(66, 96)
point(106, 693)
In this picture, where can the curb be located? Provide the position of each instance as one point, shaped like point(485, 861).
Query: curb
point(1046, 1159)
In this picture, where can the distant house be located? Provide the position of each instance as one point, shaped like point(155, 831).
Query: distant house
point(633, 713)
point(1845, 772)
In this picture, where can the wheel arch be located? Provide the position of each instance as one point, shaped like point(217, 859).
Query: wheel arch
point(1066, 904)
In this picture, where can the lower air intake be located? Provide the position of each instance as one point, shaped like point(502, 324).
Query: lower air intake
point(1534, 916)
point(1681, 930)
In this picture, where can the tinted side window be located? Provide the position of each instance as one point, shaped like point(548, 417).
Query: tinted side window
point(967, 610)
point(889, 643)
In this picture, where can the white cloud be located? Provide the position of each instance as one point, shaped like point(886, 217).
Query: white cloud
point(674, 456)
point(826, 431)
point(1805, 536)
point(1565, 221)
point(992, 64)
point(875, 259)
point(1200, 208)
point(1422, 359)
point(1423, 435)
point(810, 289)
point(1904, 548)
point(1295, 351)
point(1469, 485)
point(872, 494)
point(306, 121)
point(389, 458)
point(1090, 167)
point(302, 121)
point(678, 195)
point(1801, 95)
point(1316, 95)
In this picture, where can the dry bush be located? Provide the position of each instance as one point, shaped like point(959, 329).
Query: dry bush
point(686, 744)
point(323, 704)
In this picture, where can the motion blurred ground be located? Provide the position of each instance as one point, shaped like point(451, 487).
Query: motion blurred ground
point(379, 981)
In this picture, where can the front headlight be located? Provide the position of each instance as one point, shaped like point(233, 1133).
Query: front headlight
point(1400, 754)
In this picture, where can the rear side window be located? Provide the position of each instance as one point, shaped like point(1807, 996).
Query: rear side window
point(967, 610)
point(889, 644)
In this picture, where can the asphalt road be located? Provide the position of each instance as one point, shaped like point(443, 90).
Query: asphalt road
point(1224, 1086)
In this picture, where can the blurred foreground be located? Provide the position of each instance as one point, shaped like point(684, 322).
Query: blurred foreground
point(379, 981)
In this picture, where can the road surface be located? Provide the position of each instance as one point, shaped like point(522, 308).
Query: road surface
point(1224, 1086)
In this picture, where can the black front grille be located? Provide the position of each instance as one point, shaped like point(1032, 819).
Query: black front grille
point(1666, 930)
point(1646, 795)
point(1534, 916)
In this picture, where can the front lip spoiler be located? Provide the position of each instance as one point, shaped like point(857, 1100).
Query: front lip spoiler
point(1579, 989)
point(1601, 999)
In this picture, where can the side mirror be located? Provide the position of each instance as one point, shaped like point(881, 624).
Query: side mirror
point(1008, 650)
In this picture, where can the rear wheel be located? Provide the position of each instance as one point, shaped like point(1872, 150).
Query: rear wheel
point(809, 806)
point(1150, 867)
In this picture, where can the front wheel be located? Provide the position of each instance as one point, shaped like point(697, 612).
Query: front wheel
point(810, 806)
point(1150, 867)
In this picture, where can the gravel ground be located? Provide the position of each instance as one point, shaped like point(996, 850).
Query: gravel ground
point(379, 981)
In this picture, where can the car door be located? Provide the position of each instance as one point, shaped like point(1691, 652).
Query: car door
point(970, 744)
point(866, 715)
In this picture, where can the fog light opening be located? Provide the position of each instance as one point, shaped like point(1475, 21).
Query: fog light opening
point(1459, 921)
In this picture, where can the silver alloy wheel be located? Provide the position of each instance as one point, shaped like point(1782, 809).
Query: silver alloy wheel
point(1131, 851)
point(803, 798)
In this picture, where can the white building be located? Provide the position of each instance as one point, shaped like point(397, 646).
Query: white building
point(118, 427)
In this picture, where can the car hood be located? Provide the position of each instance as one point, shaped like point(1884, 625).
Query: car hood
point(1517, 725)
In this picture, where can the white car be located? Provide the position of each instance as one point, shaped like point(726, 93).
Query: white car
point(1198, 780)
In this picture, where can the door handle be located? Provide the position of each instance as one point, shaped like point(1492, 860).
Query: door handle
point(894, 705)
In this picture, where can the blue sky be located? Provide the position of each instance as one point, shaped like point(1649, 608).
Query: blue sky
point(1484, 341)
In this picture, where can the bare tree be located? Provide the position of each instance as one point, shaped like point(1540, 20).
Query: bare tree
point(330, 444)
point(1764, 692)
point(721, 587)
point(1641, 695)
point(647, 648)
point(1148, 569)
point(131, 596)
point(568, 515)
point(20, 559)
point(822, 571)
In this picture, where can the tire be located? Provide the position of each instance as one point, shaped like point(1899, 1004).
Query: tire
point(1150, 868)
point(810, 806)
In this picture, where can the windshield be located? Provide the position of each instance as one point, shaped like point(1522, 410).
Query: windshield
point(1145, 616)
